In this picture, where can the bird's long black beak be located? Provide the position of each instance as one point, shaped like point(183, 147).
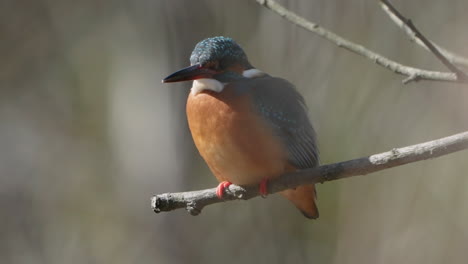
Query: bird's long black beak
point(190, 73)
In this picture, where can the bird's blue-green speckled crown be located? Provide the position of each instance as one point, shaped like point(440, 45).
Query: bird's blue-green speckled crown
point(223, 50)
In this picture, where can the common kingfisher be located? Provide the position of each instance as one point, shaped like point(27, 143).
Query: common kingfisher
point(248, 126)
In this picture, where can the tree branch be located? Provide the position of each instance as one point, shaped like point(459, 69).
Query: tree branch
point(412, 73)
point(195, 201)
point(446, 57)
point(396, 18)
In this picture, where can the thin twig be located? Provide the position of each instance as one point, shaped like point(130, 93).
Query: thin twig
point(411, 30)
point(452, 57)
point(195, 201)
point(415, 73)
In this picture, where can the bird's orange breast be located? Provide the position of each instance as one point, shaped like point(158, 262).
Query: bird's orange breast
point(234, 140)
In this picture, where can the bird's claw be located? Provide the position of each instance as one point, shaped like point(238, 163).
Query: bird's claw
point(263, 188)
point(221, 187)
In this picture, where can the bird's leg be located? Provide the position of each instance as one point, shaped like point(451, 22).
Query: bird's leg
point(263, 187)
point(221, 187)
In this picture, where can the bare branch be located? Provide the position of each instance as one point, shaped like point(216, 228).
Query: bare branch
point(415, 35)
point(393, 14)
point(413, 73)
point(196, 200)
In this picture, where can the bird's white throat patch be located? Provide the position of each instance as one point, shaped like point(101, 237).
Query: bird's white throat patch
point(200, 85)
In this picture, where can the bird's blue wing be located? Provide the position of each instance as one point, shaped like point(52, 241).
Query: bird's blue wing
point(284, 109)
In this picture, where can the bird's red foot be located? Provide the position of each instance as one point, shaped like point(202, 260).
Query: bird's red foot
point(263, 187)
point(221, 187)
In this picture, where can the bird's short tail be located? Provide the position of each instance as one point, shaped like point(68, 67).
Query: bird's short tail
point(303, 197)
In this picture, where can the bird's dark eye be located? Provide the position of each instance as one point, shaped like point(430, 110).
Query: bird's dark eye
point(214, 65)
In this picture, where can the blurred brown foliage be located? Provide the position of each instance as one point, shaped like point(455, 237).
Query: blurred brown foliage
point(88, 133)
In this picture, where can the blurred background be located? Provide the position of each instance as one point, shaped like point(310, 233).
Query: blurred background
point(88, 134)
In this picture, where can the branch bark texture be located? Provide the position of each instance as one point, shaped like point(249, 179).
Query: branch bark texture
point(402, 23)
point(411, 30)
point(412, 73)
point(195, 201)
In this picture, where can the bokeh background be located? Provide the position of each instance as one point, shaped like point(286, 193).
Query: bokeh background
point(88, 133)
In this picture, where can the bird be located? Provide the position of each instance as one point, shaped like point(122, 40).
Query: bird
point(248, 126)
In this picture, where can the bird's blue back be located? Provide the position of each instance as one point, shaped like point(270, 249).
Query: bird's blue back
point(283, 108)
